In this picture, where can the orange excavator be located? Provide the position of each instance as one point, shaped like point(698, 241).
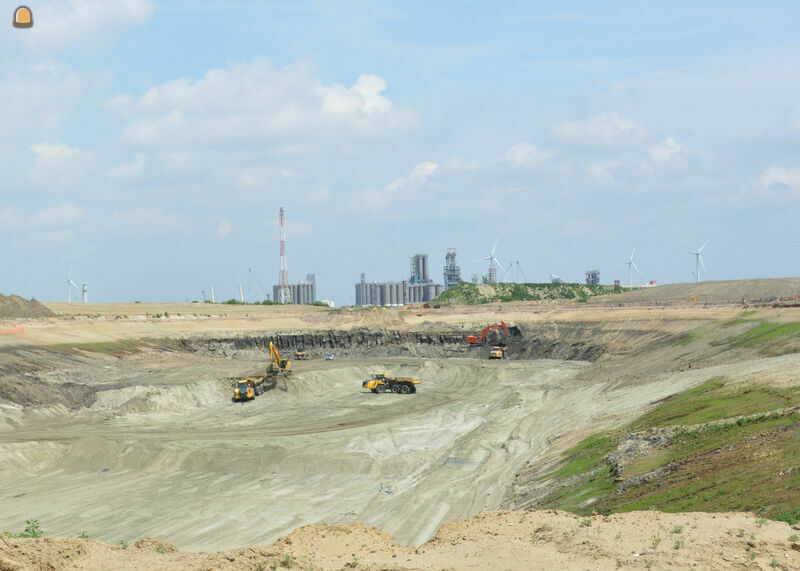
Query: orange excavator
point(475, 340)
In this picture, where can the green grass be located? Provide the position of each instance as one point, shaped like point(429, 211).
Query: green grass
point(790, 515)
point(762, 334)
point(732, 466)
point(693, 336)
point(708, 480)
point(713, 400)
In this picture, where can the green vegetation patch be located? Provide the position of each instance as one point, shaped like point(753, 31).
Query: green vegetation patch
point(743, 465)
point(470, 294)
point(713, 400)
point(762, 334)
point(731, 467)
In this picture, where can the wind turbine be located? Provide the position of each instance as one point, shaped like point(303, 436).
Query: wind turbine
point(512, 273)
point(554, 279)
point(492, 275)
point(70, 284)
point(631, 264)
point(698, 260)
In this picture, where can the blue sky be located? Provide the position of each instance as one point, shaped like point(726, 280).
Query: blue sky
point(147, 146)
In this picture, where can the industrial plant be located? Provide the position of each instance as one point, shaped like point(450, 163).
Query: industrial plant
point(303, 292)
point(419, 288)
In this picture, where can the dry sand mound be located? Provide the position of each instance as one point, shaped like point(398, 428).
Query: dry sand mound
point(499, 540)
point(13, 306)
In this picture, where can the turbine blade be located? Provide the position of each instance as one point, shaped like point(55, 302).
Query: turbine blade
point(635, 267)
point(496, 261)
point(495, 247)
point(633, 252)
point(702, 265)
point(700, 249)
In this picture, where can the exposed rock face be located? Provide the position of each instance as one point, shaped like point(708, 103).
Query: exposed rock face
point(374, 342)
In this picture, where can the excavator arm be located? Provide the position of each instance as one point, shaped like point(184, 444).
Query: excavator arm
point(284, 365)
point(493, 327)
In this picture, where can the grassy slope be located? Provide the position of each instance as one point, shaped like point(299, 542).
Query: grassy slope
point(751, 461)
point(470, 294)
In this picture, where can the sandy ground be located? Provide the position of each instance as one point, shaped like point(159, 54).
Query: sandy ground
point(173, 457)
point(722, 291)
point(163, 452)
point(498, 540)
point(111, 322)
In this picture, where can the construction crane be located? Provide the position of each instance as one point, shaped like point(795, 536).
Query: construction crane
point(258, 285)
point(475, 340)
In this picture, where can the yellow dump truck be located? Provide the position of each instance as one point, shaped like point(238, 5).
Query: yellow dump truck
point(497, 352)
point(300, 355)
point(248, 389)
point(379, 383)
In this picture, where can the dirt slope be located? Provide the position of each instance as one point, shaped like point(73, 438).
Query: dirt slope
point(727, 291)
point(499, 540)
point(15, 307)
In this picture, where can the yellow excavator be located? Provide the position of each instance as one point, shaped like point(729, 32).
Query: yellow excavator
point(276, 364)
point(250, 387)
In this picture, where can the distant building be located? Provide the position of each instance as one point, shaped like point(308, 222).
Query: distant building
point(304, 292)
point(452, 272)
point(419, 269)
point(419, 288)
point(592, 277)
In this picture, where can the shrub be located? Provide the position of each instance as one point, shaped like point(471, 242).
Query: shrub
point(32, 529)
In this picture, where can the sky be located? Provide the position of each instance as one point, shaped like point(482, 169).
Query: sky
point(146, 147)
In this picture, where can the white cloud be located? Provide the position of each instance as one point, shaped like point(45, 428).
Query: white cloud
point(59, 215)
point(221, 226)
point(129, 170)
point(779, 176)
point(58, 166)
point(665, 150)
point(525, 154)
point(607, 130)
point(461, 164)
point(365, 96)
point(262, 175)
point(35, 100)
point(54, 153)
point(417, 178)
point(399, 190)
point(605, 172)
point(252, 102)
point(71, 22)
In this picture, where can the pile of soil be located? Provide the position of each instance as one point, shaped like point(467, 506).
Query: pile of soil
point(496, 540)
point(15, 307)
